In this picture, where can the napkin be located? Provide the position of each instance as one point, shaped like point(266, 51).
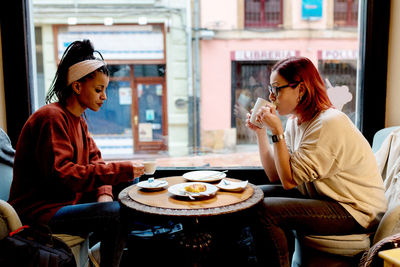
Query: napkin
point(155, 183)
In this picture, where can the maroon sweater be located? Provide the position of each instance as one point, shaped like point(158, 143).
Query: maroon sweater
point(56, 163)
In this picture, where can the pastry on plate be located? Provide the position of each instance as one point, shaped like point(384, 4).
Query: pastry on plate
point(196, 188)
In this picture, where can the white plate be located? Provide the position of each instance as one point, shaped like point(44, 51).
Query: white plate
point(204, 176)
point(232, 186)
point(179, 190)
point(154, 185)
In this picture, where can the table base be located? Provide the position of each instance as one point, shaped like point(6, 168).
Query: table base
point(196, 247)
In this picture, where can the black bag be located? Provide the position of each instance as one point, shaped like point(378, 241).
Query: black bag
point(35, 247)
point(155, 242)
point(166, 231)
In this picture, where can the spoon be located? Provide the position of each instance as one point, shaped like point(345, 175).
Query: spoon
point(184, 192)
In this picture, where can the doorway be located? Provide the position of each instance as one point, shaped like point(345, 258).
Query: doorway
point(133, 119)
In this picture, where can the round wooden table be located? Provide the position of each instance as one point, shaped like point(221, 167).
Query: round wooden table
point(164, 203)
point(196, 242)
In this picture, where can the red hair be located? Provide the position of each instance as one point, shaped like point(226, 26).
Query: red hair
point(315, 98)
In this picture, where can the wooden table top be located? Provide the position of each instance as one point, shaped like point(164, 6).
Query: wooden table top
point(163, 202)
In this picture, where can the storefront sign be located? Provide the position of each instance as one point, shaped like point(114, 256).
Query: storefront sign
point(311, 9)
point(337, 54)
point(262, 55)
point(117, 42)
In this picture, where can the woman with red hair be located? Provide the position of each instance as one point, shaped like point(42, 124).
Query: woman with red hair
point(324, 179)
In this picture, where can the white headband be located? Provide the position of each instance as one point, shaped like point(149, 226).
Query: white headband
point(83, 68)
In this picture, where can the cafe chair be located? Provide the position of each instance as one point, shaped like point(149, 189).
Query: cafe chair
point(380, 136)
point(10, 221)
point(346, 250)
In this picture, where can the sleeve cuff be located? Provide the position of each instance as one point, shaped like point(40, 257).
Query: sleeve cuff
point(105, 190)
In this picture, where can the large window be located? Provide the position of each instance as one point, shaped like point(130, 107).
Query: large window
point(229, 67)
point(146, 111)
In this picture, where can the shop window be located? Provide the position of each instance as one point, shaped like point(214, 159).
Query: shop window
point(346, 12)
point(120, 128)
point(263, 13)
point(340, 78)
point(249, 81)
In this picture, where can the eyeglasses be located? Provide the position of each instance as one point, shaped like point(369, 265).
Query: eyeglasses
point(275, 89)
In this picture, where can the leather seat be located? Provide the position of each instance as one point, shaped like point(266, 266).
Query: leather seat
point(346, 250)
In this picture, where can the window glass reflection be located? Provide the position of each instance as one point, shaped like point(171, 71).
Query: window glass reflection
point(119, 70)
point(149, 70)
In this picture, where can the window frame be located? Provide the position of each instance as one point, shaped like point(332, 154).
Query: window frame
point(17, 34)
point(373, 52)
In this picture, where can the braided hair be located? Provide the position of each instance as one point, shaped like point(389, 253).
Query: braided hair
point(76, 52)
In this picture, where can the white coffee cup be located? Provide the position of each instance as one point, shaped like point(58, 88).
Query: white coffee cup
point(149, 167)
point(261, 102)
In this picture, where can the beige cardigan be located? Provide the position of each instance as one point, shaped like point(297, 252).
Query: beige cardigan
point(330, 157)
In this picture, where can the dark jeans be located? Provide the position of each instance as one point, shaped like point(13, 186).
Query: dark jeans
point(105, 219)
point(283, 211)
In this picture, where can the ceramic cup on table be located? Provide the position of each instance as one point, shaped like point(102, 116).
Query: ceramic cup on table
point(261, 102)
point(149, 167)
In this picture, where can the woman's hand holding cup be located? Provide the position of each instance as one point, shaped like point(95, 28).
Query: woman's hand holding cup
point(138, 169)
point(250, 124)
point(267, 116)
point(254, 119)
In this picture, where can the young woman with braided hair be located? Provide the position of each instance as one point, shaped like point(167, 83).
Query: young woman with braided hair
point(60, 178)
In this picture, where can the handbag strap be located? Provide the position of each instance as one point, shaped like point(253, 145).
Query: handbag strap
point(18, 230)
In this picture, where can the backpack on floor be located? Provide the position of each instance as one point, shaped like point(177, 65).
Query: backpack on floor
point(35, 247)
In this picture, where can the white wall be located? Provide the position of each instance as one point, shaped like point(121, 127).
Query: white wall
point(393, 80)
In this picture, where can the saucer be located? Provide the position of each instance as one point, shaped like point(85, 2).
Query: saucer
point(228, 185)
point(152, 185)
